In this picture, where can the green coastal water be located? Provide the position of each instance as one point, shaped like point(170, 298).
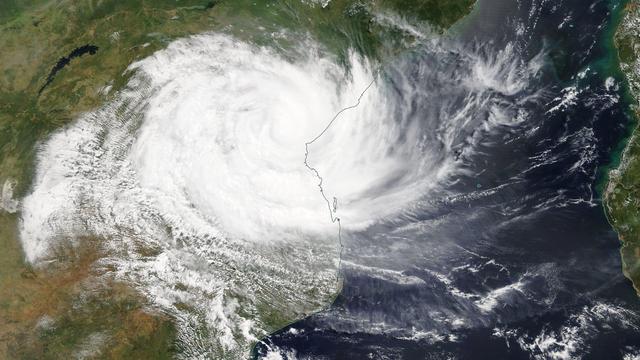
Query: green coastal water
point(611, 65)
point(74, 305)
point(622, 192)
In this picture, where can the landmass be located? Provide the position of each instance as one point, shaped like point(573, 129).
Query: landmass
point(622, 195)
point(71, 307)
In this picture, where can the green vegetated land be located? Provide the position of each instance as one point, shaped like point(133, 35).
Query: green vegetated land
point(75, 308)
point(622, 196)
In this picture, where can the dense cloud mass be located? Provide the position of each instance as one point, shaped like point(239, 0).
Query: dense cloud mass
point(202, 158)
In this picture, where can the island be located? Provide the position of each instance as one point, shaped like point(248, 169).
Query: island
point(622, 194)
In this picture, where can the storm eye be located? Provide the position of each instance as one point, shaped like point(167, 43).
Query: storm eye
point(226, 177)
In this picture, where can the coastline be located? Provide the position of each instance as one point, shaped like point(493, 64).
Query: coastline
point(80, 87)
point(620, 193)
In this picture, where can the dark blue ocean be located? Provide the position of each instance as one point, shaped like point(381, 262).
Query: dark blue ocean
point(512, 258)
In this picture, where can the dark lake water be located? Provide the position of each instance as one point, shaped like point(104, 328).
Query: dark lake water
point(66, 60)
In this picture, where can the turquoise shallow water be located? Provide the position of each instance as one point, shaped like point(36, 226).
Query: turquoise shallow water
point(611, 64)
point(514, 258)
point(496, 136)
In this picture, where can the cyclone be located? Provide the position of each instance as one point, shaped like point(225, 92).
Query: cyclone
point(215, 178)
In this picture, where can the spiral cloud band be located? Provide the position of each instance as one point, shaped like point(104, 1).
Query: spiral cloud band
point(201, 177)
